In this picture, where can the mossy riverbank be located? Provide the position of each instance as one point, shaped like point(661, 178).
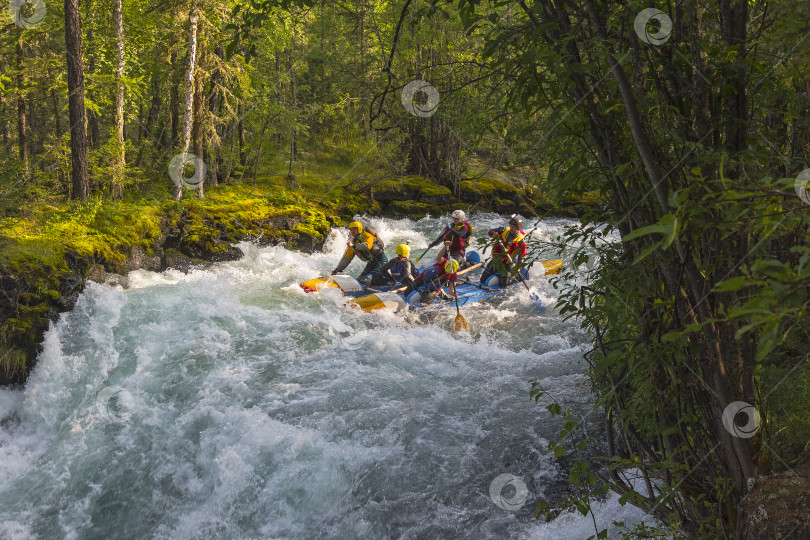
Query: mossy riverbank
point(48, 250)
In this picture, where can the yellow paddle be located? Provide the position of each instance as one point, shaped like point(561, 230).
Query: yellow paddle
point(461, 322)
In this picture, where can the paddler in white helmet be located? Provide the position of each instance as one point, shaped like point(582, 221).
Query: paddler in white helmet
point(455, 236)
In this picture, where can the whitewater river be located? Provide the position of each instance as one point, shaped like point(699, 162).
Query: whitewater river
point(228, 403)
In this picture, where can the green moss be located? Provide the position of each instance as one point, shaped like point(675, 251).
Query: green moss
point(34, 298)
point(488, 187)
point(415, 188)
point(414, 209)
point(589, 198)
point(502, 205)
point(429, 188)
point(12, 359)
point(106, 228)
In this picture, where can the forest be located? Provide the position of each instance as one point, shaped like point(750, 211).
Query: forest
point(685, 124)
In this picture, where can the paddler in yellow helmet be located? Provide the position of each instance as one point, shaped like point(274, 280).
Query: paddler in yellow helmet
point(400, 269)
point(434, 278)
point(367, 246)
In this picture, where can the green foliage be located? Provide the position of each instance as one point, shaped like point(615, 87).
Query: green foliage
point(12, 360)
point(708, 283)
point(705, 294)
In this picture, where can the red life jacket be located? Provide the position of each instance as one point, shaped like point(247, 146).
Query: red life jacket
point(516, 247)
point(459, 243)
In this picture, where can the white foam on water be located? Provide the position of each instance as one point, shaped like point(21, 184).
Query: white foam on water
point(228, 403)
point(572, 524)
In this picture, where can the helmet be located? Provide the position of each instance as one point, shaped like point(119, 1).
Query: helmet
point(458, 214)
point(356, 225)
point(451, 266)
point(516, 221)
point(403, 250)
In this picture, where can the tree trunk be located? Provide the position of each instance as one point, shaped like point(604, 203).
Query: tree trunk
point(240, 111)
point(21, 120)
point(293, 141)
point(6, 125)
point(75, 82)
point(216, 79)
point(119, 157)
point(733, 21)
point(154, 110)
point(174, 102)
point(92, 117)
point(32, 130)
point(197, 130)
point(188, 109)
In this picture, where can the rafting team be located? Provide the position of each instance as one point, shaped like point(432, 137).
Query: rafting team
point(365, 244)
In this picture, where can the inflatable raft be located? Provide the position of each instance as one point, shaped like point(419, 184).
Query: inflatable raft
point(469, 290)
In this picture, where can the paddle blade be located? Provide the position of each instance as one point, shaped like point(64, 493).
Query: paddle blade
point(461, 323)
point(538, 303)
point(369, 302)
point(315, 285)
point(549, 267)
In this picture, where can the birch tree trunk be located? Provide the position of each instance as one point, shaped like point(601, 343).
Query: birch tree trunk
point(197, 131)
point(188, 109)
point(119, 158)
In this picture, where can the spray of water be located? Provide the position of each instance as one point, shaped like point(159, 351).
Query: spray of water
point(228, 403)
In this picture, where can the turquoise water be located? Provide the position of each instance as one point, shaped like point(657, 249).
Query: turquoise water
point(227, 403)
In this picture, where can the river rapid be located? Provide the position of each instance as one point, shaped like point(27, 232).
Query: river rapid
point(228, 403)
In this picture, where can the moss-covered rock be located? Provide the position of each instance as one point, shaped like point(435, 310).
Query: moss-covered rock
point(179, 261)
point(412, 188)
point(31, 296)
point(47, 257)
point(486, 190)
point(413, 209)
